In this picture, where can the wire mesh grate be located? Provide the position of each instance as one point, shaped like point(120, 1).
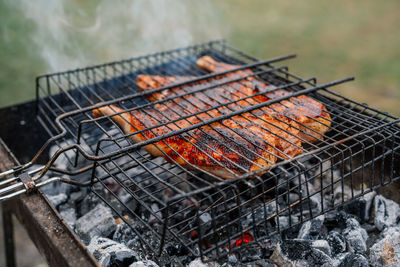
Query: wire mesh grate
point(269, 190)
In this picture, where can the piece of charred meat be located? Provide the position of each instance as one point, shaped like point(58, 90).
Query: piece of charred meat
point(243, 143)
point(313, 117)
point(225, 149)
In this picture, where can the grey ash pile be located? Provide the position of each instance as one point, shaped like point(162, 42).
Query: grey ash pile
point(364, 232)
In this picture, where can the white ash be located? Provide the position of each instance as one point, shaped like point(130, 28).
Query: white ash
point(329, 176)
point(386, 252)
point(144, 263)
point(97, 222)
point(124, 234)
point(323, 249)
point(311, 229)
point(57, 200)
point(387, 212)
point(337, 242)
point(286, 221)
point(361, 207)
point(110, 253)
point(76, 196)
point(69, 215)
point(298, 252)
point(344, 194)
point(322, 245)
point(350, 259)
point(355, 236)
point(323, 241)
point(198, 263)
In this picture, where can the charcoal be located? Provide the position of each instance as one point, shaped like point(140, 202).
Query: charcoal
point(261, 213)
point(328, 177)
point(293, 197)
point(386, 252)
point(387, 212)
point(145, 250)
point(69, 217)
point(66, 206)
point(87, 204)
point(98, 221)
point(286, 221)
point(290, 233)
point(125, 197)
point(110, 253)
point(76, 196)
point(299, 253)
point(353, 260)
point(322, 245)
point(119, 207)
point(250, 254)
point(176, 250)
point(232, 259)
point(374, 235)
point(337, 220)
point(123, 234)
point(57, 200)
point(144, 263)
point(205, 217)
point(355, 236)
point(259, 263)
point(370, 228)
point(311, 230)
point(337, 242)
point(156, 210)
point(360, 207)
point(331, 223)
point(268, 245)
point(175, 261)
point(198, 263)
point(341, 195)
point(131, 203)
point(309, 207)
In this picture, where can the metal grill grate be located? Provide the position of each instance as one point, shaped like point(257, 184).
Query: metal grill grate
point(209, 215)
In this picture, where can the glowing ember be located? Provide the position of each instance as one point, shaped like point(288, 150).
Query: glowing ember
point(245, 239)
point(193, 234)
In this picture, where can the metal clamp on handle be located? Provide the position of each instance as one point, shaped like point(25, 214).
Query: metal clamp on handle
point(17, 185)
point(25, 183)
point(28, 182)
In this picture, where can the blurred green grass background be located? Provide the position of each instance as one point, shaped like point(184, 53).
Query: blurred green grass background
point(332, 40)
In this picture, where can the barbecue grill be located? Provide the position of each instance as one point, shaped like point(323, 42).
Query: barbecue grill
point(207, 215)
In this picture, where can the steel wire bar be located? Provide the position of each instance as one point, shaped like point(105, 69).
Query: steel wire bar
point(209, 215)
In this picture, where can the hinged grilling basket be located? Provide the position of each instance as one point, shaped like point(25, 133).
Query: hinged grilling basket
point(168, 197)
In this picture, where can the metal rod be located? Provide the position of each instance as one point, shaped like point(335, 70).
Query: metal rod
point(219, 118)
point(81, 110)
point(8, 231)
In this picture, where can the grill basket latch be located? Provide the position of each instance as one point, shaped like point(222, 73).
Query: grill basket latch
point(28, 182)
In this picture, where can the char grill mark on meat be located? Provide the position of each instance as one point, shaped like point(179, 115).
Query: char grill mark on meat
point(303, 109)
point(242, 143)
point(214, 148)
point(260, 122)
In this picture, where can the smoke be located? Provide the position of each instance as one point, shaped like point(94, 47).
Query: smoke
point(69, 34)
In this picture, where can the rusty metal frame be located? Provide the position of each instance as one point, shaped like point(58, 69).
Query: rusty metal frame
point(54, 239)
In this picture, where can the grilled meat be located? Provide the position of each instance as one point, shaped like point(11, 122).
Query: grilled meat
point(313, 117)
point(283, 130)
point(237, 145)
point(223, 149)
